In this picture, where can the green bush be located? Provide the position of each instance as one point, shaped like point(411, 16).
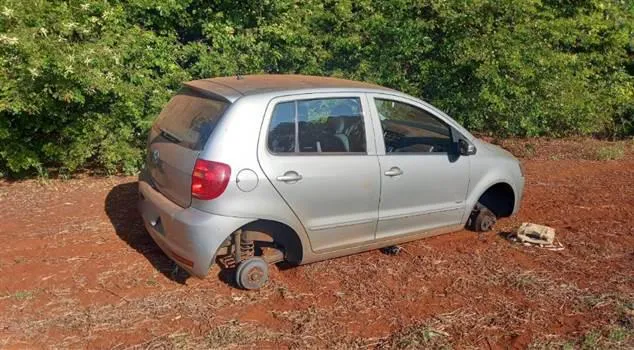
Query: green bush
point(80, 84)
point(81, 81)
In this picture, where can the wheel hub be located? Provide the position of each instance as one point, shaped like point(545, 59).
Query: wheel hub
point(255, 274)
point(487, 223)
point(252, 273)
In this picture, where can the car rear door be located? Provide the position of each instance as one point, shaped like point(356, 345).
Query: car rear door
point(176, 138)
point(318, 151)
point(423, 181)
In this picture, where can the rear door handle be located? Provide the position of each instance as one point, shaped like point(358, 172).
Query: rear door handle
point(394, 171)
point(290, 176)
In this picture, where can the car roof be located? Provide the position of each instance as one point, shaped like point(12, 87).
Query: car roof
point(232, 88)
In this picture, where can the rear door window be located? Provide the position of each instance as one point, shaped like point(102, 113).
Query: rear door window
point(327, 125)
point(189, 118)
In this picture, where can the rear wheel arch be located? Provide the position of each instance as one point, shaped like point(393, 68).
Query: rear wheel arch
point(280, 233)
point(499, 198)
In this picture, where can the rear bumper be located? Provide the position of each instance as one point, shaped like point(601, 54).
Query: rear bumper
point(188, 236)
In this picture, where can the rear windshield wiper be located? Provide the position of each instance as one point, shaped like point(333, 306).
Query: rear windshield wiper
point(168, 135)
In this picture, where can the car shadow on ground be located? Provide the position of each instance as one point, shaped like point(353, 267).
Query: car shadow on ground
point(506, 235)
point(121, 208)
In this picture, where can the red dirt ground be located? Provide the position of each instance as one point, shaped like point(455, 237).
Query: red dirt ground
point(78, 270)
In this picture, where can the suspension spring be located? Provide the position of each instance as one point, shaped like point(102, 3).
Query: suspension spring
point(247, 249)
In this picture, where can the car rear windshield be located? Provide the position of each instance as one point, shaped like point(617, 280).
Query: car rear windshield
point(189, 118)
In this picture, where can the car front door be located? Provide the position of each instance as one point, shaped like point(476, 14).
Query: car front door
point(423, 181)
point(318, 151)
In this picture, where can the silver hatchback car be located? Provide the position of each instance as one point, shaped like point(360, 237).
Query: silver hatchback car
point(251, 170)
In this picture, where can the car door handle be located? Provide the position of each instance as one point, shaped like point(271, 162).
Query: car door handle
point(290, 176)
point(394, 171)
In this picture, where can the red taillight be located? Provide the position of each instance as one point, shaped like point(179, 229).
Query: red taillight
point(209, 179)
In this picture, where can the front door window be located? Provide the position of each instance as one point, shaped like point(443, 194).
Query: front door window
point(407, 129)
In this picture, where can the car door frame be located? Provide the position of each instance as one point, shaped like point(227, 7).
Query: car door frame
point(263, 154)
point(381, 149)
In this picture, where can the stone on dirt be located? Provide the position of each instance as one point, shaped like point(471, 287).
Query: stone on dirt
point(537, 234)
point(534, 234)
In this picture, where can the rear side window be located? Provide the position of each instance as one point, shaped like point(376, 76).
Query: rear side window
point(328, 125)
point(189, 118)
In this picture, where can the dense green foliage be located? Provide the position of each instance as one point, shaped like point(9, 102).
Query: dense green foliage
point(81, 81)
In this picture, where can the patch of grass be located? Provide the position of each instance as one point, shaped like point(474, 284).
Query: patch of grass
point(225, 335)
point(613, 152)
point(529, 150)
point(590, 301)
point(551, 342)
point(626, 315)
point(23, 294)
point(524, 281)
point(422, 336)
point(555, 157)
point(560, 149)
point(425, 337)
point(233, 333)
point(618, 334)
point(534, 283)
point(609, 337)
point(314, 328)
point(623, 306)
point(521, 150)
point(230, 335)
point(19, 295)
point(305, 321)
point(591, 340)
point(172, 341)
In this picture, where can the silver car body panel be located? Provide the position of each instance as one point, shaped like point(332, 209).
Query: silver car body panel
point(233, 88)
point(330, 218)
point(170, 166)
point(344, 203)
point(490, 166)
point(189, 236)
point(421, 198)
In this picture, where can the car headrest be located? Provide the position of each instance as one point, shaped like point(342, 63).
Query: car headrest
point(336, 124)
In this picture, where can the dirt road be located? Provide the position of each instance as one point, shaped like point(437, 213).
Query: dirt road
point(78, 270)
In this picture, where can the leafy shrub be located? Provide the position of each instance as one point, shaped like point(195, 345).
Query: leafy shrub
point(79, 85)
point(81, 81)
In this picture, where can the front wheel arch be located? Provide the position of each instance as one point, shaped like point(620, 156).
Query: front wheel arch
point(499, 198)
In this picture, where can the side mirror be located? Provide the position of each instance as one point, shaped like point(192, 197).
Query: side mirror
point(466, 148)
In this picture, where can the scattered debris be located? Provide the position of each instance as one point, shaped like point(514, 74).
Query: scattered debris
point(392, 250)
point(536, 235)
